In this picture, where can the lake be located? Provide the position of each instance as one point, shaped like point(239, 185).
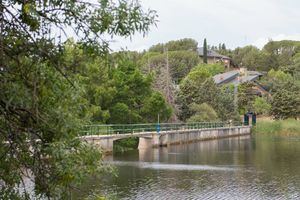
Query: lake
point(245, 167)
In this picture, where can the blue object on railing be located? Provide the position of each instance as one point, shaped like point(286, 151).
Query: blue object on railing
point(157, 128)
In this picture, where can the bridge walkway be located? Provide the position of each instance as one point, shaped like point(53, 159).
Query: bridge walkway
point(154, 135)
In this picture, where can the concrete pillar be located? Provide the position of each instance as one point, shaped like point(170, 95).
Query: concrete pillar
point(163, 139)
point(149, 142)
point(105, 144)
point(145, 143)
point(156, 140)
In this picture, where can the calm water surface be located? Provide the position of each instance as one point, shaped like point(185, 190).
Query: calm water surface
point(232, 168)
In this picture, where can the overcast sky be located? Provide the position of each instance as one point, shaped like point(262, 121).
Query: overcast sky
point(233, 22)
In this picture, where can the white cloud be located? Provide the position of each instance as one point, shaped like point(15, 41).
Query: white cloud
point(233, 22)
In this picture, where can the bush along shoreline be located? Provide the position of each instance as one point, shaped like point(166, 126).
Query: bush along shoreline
point(288, 127)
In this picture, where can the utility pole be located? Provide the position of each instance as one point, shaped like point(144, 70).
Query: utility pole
point(158, 125)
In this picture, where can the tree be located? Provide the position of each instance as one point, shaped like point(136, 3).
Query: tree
point(115, 95)
point(155, 64)
point(168, 69)
point(280, 53)
point(213, 69)
point(276, 78)
point(202, 113)
point(267, 61)
point(186, 44)
point(42, 108)
point(245, 97)
point(261, 106)
point(223, 46)
point(248, 56)
point(226, 108)
point(286, 101)
point(154, 106)
point(197, 87)
point(205, 51)
point(294, 68)
point(122, 114)
point(135, 96)
point(189, 91)
point(93, 75)
point(180, 63)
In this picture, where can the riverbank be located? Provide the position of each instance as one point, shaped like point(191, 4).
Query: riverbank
point(288, 127)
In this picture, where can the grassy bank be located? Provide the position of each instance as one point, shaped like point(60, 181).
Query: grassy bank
point(289, 127)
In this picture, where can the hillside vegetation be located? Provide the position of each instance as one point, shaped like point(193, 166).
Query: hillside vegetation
point(288, 127)
point(184, 80)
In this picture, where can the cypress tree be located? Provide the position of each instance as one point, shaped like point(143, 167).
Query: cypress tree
point(220, 46)
point(223, 46)
point(205, 51)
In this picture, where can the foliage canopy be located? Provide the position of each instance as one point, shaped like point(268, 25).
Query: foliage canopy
point(42, 102)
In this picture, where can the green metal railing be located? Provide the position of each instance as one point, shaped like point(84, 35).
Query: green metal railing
point(108, 129)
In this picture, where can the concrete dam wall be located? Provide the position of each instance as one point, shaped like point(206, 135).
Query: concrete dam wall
point(186, 136)
point(165, 138)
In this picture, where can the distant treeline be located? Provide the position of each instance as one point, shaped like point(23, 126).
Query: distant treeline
point(180, 75)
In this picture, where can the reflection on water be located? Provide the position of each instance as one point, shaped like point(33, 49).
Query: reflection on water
point(157, 165)
point(232, 168)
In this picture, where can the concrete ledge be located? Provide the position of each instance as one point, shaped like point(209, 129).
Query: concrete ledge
point(186, 136)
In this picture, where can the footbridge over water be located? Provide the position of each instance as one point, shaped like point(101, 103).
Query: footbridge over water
point(155, 135)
